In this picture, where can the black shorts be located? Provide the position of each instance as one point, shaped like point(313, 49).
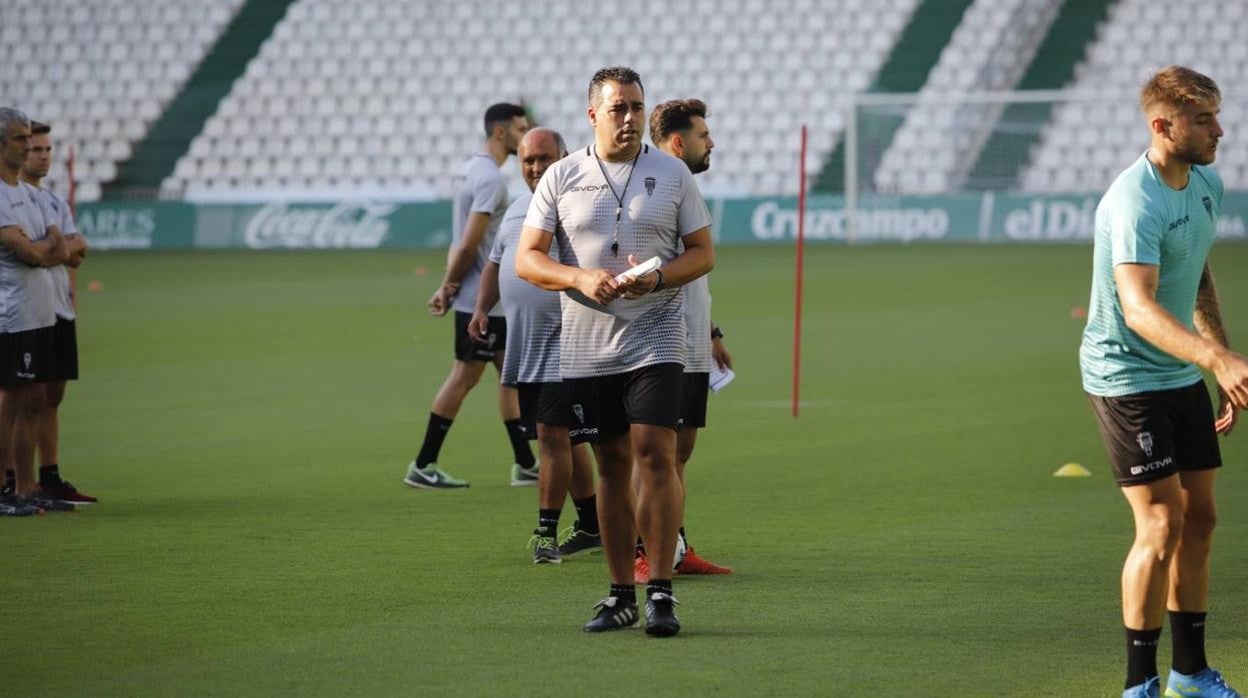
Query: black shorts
point(547, 403)
point(603, 407)
point(468, 350)
point(65, 346)
point(27, 357)
point(693, 404)
point(1153, 435)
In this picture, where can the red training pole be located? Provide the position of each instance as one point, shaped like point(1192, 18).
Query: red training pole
point(801, 244)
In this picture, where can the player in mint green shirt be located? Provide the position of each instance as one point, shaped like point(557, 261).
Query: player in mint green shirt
point(1153, 323)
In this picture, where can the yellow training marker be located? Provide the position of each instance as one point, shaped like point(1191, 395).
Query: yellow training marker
point(1072, 470)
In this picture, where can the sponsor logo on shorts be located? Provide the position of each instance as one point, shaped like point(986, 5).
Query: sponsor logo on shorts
point(588, 431)
point(1145, 440)
point(1152, 466)
point(579, 412)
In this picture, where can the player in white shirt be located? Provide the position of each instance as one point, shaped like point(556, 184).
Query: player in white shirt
point(64, 281)
point(30, 243)
point(678, 128)
point(608, 207)
point(534, 324)
point(479, 204)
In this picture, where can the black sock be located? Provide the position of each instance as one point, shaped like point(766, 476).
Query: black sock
point(626, 592)
point(519, 443)
point(548, 523)
point(1141, 655)
point(1187, 638)
point(435, 434)
point(49, 475)
point(661, 586)
point(10, 480)
point(587, 514)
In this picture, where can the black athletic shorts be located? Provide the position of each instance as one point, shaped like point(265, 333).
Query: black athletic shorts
point(1153, 435)
point(693, 404)
point(468, 350)
point(603, 407)
point(65, 346)
point(546, 403)
point(27, 357)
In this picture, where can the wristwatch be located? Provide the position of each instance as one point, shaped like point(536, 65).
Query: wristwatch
point(662, 282)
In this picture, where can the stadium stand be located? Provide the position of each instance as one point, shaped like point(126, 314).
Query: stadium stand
point(990, 50)
point(915, 52)
point(369, 98)
point(102, 71)
point(1132, 43)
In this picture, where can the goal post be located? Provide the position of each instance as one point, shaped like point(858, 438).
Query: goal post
point(1001, 166)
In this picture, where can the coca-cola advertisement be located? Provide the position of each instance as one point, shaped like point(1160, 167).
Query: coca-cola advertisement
point(343, 225)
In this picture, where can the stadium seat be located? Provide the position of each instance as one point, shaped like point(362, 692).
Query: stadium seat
point(432, 90)
point(989, 51)
point(1114, 65)
point(105, 52)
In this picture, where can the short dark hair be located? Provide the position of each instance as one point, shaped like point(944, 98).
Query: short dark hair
point(675, 116)
point(501, 113)
point(38, 128)
point(615, 73)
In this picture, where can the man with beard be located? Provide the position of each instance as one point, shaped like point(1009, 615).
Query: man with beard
point(679, 128)
point(479, 205)
point(1153, 323)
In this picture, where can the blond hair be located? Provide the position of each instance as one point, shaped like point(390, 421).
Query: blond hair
point(1178, 86)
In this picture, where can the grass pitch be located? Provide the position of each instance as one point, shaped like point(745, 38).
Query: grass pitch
point(246, 420)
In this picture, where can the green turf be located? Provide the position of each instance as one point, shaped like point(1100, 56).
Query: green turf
point(247, 418)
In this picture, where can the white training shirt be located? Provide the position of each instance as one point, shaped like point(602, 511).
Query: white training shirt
point(26, 292)
point(661, 204)
point(480, 189)
point(698, 325)
point(533, 314)
point(64, 217)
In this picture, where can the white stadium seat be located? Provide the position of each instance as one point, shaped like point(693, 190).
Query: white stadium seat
point(426, 83)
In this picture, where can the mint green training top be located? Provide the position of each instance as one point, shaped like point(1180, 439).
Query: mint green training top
point(1142, 220)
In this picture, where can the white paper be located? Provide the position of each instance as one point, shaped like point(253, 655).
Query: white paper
point(640, 270)
point(720, 377)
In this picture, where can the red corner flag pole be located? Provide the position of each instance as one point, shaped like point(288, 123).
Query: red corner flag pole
point(801, 244)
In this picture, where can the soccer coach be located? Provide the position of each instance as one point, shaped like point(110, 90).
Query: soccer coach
point(607, 207)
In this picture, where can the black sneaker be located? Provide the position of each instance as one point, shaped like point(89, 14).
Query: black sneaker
point(12, 505)
point(577, 541)
point(43, 501)
point(614, 613)
point(661, 620)
point(545, 551)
